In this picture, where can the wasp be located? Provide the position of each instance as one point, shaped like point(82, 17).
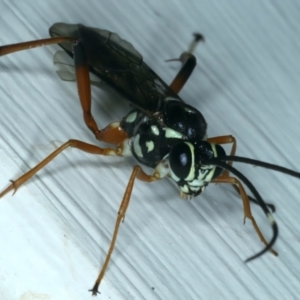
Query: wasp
point(160, 131)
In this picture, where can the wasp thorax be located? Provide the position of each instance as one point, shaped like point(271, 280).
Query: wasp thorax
point(185, 119)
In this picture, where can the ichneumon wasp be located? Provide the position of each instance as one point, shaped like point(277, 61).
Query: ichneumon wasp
point(160, 131)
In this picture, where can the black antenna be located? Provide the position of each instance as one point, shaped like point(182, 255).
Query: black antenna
point(218, 161)
point(257, 163)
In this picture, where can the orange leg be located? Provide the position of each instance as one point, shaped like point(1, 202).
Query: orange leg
point(83, 83)
point(136, 173)
point(71, 143)
point(84, 86)
point(229, 139)
point(4, 50)
point(84, 92)
point(247, 209)
point(189, 62)
point(120, 150)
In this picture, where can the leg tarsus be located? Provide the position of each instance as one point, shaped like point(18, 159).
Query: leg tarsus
point(247, 208)
point(94, 290)
point(9, 188)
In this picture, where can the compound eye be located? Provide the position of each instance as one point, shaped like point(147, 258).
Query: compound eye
point(181, 159)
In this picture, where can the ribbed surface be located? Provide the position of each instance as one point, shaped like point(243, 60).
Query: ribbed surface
point(56, 230)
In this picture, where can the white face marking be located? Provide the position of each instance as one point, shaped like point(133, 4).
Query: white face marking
point(191, 175)
point(208, 176)
point(136, 146)
point(196, 183)
point(184, 189)
point(131, 117)
point(155, 130)
point(163, 168)
point(170, 133)
point(150, 146)
point(126, 148)
point(194, 188)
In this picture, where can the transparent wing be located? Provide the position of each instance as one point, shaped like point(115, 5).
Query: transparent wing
point(66, 70)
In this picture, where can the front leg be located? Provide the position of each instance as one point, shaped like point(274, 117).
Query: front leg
point(141, 175)
point(229, 139)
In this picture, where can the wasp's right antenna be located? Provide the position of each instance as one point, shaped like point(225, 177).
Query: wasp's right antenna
point(217, 161)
